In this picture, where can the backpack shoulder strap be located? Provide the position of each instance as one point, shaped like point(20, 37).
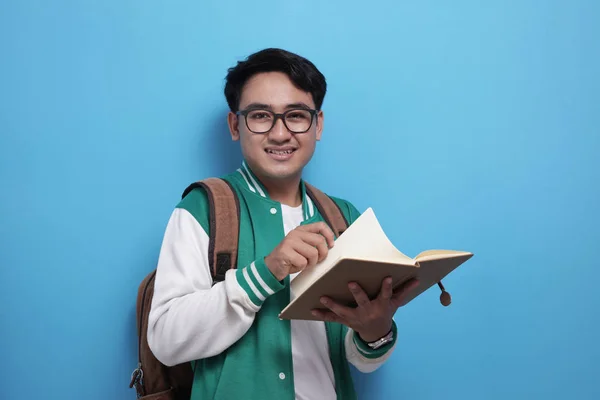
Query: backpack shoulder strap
point(224, 219)
point(328, 208)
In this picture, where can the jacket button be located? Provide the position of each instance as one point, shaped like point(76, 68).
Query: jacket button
point(273, 210)
point(281, 376)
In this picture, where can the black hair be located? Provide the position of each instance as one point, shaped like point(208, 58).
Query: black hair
point(303, 73)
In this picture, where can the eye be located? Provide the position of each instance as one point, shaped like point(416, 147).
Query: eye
point(259, 115)
point(298, 115)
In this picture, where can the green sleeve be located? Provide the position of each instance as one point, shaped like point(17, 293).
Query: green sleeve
point(196, 203)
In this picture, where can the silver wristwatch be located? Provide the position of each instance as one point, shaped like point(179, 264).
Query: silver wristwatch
point(382, 342)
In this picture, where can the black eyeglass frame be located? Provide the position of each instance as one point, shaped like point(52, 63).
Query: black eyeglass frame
point(276, 116)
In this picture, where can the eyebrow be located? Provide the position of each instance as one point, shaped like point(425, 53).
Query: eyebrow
point(261, 106)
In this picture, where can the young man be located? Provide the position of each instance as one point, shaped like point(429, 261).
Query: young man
point(230, 330)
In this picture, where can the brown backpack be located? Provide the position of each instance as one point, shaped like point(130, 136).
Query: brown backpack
point(154, 380)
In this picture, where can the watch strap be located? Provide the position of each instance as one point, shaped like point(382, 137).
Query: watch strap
point(368, 351)
point(382, 341)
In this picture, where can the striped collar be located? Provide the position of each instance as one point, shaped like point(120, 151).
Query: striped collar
point(256, 187)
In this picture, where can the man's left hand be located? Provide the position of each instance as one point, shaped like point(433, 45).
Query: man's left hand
point(371, 319)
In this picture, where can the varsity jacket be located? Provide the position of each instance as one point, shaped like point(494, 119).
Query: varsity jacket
point(230, 330)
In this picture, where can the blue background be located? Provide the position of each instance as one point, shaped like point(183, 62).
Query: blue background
point(466, 125)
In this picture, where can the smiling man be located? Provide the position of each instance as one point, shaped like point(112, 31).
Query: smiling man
point(230, 330)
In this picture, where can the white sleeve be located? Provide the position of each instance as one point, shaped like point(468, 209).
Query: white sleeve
point(190, 318)
point(364, 358)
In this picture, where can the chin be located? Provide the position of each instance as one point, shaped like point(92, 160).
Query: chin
point(275, 170)
point(282, 172)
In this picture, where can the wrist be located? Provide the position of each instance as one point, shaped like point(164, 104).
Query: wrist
point(276, 272)
point(374, 335)
point(378, 347)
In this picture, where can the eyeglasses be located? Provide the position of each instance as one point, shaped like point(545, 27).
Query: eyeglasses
point(298, 120)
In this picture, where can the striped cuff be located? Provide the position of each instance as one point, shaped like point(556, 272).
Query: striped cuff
point(368, 352)
point(258, 281)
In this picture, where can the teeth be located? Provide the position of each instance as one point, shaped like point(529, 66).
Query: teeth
point(280, 151)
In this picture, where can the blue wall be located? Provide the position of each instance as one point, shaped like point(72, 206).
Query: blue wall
point(465, 124)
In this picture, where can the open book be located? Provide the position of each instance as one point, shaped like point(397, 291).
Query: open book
point(364, 254)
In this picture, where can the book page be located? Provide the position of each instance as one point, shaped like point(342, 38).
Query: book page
point(365, 240)
point(439, 254)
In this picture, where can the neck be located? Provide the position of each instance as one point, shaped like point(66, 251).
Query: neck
point(284, 191)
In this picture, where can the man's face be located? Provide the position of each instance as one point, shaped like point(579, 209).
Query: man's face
point(277, 154)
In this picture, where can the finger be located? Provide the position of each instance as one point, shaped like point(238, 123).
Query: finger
point(296, 260)
point(321, 228)
point(338, 309)
point(322, 248)
point(386, 289)
point(310, 253)
point(317, 241)
point(400, 294)
point(329, 316)
point(361, 298)
point(406, 287)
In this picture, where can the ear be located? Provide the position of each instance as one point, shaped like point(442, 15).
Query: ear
point(233, 122)
point(320, 120)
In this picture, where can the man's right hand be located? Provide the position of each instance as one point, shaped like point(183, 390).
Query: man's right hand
point(303, 247)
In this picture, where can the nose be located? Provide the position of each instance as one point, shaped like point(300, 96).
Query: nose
point(279, 133)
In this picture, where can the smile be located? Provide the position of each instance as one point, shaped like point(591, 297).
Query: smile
point(280, 152)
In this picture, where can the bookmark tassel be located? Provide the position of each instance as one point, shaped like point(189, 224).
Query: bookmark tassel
point(445, 298)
